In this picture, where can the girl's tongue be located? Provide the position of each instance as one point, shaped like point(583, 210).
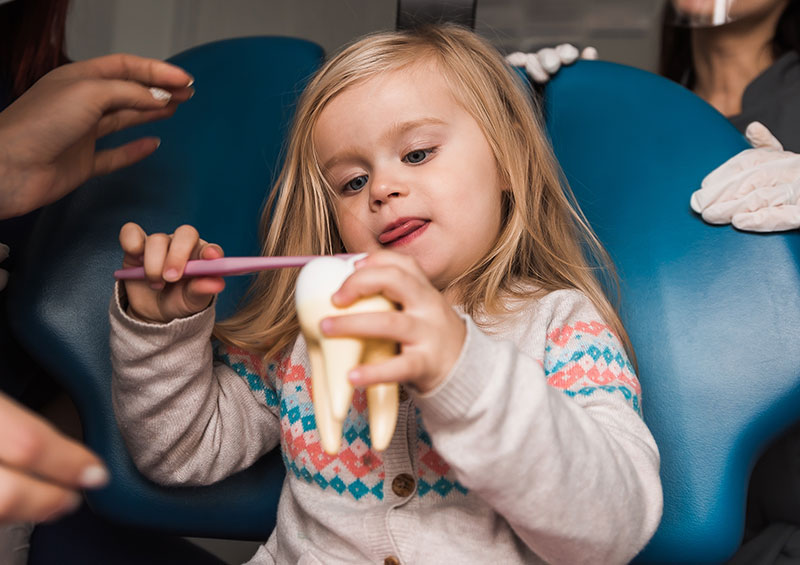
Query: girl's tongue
point(400, 231)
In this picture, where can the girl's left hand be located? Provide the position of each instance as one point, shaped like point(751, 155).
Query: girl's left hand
point(430, 333)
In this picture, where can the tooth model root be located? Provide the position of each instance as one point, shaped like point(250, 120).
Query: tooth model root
point(382, 399)
point(333, 358)
point(330, 429)
point(341, 355)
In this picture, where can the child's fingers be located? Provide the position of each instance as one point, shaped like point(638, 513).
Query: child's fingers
point(398, 369)
point(184, 242)
point(132, 239)
point(211, 251)
point(391, 325)
point(199, 292)
point(395, 282)
point(155, 252)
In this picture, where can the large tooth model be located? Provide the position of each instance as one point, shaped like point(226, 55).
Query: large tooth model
point(332, 358)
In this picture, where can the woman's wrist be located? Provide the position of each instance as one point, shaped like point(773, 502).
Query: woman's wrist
point(13, 200)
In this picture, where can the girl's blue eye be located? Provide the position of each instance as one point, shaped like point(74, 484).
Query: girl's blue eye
point(357, 183)
point(417, 156)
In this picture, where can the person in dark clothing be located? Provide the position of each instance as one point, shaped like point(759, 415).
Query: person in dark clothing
point(748, 67)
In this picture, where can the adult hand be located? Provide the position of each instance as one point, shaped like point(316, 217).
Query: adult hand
point(47, 136)
point(755, 190)
point(40, 470)
point(545, 63)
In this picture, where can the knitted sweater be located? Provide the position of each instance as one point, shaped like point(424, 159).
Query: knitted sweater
point(533, 449)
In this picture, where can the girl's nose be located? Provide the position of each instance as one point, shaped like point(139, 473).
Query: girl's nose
point(384, 189)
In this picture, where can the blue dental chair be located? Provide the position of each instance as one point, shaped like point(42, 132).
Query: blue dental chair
point(215, 166)
point(709, 309)
point(712, 312)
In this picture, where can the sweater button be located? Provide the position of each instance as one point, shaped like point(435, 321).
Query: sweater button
point(391, 560)
point(403, 485)
point(403, 395)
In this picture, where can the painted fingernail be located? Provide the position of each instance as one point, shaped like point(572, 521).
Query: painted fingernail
point(160, 94)
point(191, 80)
point(171, 275)
point(94, 476)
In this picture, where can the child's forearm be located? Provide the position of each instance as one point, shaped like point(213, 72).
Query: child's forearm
point(185, 420)
point(580, 481)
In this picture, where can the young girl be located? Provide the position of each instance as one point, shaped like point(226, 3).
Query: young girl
point(519, 438)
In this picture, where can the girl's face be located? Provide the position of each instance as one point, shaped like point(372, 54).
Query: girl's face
point(412, 172)
point(737, 9)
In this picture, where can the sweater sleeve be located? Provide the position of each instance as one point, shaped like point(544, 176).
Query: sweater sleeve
point(186, 418)
point(553, 439)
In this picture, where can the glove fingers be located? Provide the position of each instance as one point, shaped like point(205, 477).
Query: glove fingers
point(762, 198)
point(759, 136)
point(517, 59)
point(589, 53)
point(730, 188)
point(549, 59)
point(749, 159)
point(567, 53)
point(735, 184)
point(534, 69)
point(780, 218)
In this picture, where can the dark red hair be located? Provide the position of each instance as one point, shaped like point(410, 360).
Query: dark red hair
point(31, 42)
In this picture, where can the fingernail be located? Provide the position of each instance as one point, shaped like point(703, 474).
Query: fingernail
point(354, 376)
point(191, 94)
point(158, 142)
point(191, 80)
point(157, 285)
point(358, 260)
point(325, 325)
point(94, 476)
point(160, 94)
point(171, 275)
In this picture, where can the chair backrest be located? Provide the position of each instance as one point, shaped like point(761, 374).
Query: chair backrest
point(213, 170)
point(712, 312)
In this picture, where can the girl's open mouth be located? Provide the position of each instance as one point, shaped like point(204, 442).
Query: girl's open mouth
point(403, 231)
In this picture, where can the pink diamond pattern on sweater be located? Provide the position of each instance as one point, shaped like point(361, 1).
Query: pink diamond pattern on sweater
point(357, 470)
point(586, 358)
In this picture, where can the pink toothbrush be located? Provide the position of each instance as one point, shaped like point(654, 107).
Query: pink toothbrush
point(226, 266)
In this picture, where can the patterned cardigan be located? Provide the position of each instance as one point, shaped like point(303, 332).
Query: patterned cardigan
point(532, 450)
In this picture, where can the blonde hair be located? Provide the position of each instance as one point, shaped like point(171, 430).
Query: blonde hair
point(544, 240)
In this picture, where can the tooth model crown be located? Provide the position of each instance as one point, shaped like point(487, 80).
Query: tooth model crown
point(332, 358)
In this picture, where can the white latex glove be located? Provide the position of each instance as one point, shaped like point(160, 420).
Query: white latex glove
point(755, 190)
point(545, 63)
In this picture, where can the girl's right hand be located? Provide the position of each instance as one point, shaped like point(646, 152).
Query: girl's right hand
point(163, 295)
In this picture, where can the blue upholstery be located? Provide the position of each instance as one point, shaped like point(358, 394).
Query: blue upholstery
point(712, 312)
point(213, 170)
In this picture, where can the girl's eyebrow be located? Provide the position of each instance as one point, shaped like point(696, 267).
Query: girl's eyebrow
point(396, 129)
point(405, 127)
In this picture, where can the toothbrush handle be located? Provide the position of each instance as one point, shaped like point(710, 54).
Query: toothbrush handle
point(226, 266)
